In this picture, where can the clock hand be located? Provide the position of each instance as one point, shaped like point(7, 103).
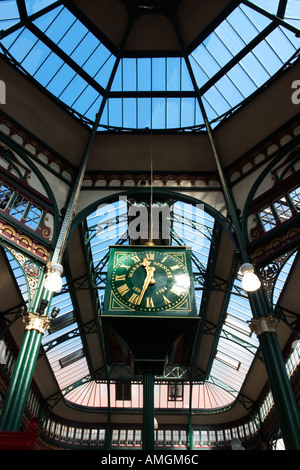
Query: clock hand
point(149, 280)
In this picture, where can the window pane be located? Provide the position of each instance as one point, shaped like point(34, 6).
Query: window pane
point(5, 195)
point(19, 207)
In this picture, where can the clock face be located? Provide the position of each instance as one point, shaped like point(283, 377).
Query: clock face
point(150, 281)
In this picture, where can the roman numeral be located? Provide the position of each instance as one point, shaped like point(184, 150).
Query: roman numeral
point(123, 289)
point(122, 277)
point(124, 266)
point(166, 300)
point(149, 302)
point(150, 256)
point(176, 290)
point(134, 298)
point(174, 267)
point(135, 258)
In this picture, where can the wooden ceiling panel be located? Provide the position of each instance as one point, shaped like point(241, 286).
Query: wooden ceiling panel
point(152, 32)
point(127, 152)
point(194, 17)
point(109, 16)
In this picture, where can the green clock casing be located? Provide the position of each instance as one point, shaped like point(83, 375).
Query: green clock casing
point(149, 281)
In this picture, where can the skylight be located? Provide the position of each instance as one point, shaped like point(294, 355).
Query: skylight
point(235, 60)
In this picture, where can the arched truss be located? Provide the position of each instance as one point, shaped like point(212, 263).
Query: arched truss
point(228, 335)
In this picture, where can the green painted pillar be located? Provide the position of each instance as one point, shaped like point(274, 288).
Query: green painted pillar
point(148, 410)
point(15, 402)
point(108, 437)
point(264, 325)
point(190, 435)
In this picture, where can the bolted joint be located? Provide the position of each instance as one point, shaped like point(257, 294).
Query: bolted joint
point(264, 325)
point(33, 321)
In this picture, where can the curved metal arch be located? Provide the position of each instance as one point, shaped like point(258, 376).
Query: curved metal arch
point(276, 277)
point(7, 155)
point(22, 258)
point(156, 192)
point(38, 173)
point(277, 156)
point(291, 160)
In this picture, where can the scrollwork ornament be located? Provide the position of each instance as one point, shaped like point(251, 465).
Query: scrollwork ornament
point(30, 268)
point(270, 272)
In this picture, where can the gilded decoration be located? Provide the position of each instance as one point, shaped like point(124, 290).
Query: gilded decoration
point(276, 245)
point(39, 151)
point(31, 269)
point(264, 325)
point(25, 242)
point(33, 321)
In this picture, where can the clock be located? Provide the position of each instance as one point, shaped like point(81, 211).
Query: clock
point(149, 281)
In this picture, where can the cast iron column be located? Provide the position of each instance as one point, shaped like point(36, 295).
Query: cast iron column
point(148, 410)
point(35, 326)
point(263, 324)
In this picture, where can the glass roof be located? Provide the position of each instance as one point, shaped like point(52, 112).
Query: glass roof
point(235, 60)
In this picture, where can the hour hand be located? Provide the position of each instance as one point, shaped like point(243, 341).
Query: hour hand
point(149, 280)
point(149, 268)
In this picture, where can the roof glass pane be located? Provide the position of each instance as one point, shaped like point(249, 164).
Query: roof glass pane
point(9, 14)
point(253, 71)
point(154, 113)
point(70, 95)
point(228, 39)
point(18, 274)
point(55, 75)
point(47, 22)
point(292, 13)
point(37, 5)
point(152, 74)
point(144, 113)
point(74, 39)
point(236, 347)
point(282, 277)
point(22, 45)
point(63, 342)
point(269, 5)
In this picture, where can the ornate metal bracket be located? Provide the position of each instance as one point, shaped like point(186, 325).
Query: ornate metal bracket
point(33, 321)
point(264, 325)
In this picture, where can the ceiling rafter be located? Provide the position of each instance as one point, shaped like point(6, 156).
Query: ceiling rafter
point(277, 19)
point(65, 57)
point(25, 18)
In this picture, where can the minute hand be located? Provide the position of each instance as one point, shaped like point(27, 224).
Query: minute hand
point(150, 274)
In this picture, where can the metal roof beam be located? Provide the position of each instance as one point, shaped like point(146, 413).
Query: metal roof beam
point(25, 19)
point(275, 18)
point(65, 57)
point(238, 57)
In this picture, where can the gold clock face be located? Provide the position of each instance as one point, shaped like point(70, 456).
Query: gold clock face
point(150, 281)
